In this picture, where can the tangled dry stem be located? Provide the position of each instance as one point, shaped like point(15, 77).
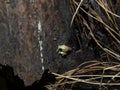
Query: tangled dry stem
point(108, 71)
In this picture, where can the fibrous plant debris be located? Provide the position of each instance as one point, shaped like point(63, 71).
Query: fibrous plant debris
point(96, 20)
point(95, 74)
point(97, 25)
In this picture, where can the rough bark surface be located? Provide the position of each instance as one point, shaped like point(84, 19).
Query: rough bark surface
point(19, 45)
point(18, 38)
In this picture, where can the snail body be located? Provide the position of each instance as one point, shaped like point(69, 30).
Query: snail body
point(63, 50)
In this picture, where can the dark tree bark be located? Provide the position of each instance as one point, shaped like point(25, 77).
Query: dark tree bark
point(19, 44)
point(30, 33)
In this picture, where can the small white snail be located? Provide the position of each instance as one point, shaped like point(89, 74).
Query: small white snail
point(63, 50)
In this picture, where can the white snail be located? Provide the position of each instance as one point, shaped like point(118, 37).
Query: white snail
point(63, 50)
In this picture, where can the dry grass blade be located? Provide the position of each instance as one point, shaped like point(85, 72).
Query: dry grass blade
point(106, 71)
point(106, 50)
point(95, 16)
point(91, 79)
point(76, 11)
point(85, 81)
point(102, 5)
point(98, 18)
